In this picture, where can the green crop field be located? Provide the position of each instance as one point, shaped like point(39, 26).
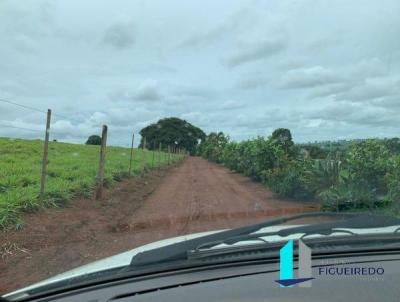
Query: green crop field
point(71, 172)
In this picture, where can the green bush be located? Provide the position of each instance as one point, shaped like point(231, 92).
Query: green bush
point(289, 181)
point(213, 145)
point(321, 175)
point(362, 180)
point(368, 162)
point(393, 184)
point(259, 155)
point(230, 156)
point(349, 193)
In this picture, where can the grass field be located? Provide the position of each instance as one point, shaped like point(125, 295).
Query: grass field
point(72, 172)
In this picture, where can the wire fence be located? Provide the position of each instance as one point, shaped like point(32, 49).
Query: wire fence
point(45, 171)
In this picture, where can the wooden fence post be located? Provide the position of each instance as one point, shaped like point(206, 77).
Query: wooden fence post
point(175, 150)
point(153, 154)
point(130, 159)
point(144, 155)
point(45, 156)
point(176, 154)
point(159, 155)
point(100, 173)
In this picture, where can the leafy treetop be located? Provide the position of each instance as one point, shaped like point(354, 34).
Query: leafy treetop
point(283, 138)
point(93, 140)
point(172, 132)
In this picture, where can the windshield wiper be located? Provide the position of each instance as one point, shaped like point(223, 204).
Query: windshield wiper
point(360, 221)
point(179, 251)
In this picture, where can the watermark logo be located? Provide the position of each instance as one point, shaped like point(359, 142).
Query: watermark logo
point(332, 270)
point(286, 277)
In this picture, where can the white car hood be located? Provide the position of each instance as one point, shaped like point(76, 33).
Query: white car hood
point(115, 261)
point(125, 258)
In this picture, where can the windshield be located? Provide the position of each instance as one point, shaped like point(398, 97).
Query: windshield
point(128, 122)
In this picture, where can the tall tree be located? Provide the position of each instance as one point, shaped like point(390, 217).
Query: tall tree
point(172, 132)
point(93, 140)
point(283, 137)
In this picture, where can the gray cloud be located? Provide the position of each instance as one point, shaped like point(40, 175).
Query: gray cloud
point(193, 91)
point(147, 91)
point(120, 36)
point(252, 80)
point(255, 52)
point(332, 89)
point(203, 38)
point(373, 88)
point(360, 114)
point(232, 104)
point(309, 77)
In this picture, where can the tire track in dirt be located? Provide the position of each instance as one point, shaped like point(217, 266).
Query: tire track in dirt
point(202, 196)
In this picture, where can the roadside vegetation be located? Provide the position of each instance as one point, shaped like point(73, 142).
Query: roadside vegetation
point(173, 132)
point(345, 175)
point(71, 172)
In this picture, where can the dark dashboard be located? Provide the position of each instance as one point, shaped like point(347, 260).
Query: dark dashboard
point(349, 278)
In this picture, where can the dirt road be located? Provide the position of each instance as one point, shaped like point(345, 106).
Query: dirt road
point(194, 196)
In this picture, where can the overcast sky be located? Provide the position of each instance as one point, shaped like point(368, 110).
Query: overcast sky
point(324, 69)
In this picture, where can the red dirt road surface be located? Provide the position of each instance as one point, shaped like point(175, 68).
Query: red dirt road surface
point(193, 196)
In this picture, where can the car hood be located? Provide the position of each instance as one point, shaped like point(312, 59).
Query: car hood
point(118, 260)
point(124, 259)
